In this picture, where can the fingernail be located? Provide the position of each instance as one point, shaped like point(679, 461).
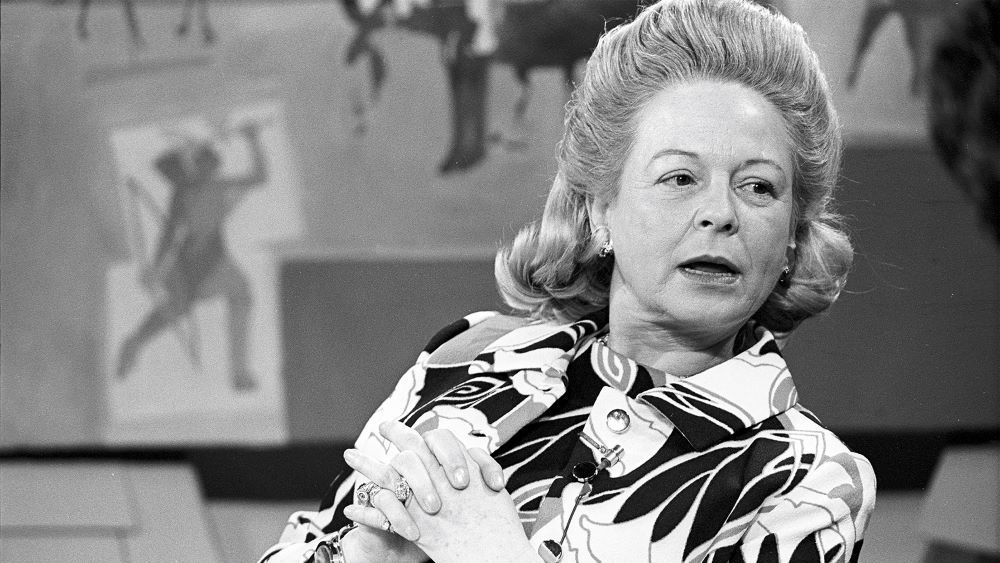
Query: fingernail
point(497, 480)
point(351, 456)
point(461, 476)
point(432, 503)
point(350, 511)
point(411, 533)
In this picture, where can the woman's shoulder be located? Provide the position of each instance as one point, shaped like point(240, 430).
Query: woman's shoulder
point(462, 340)
point(824, 494)
point(834, 457)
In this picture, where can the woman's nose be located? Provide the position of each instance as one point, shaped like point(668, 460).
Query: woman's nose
point(717, 211)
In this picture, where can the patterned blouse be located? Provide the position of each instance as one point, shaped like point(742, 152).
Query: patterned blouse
point(724, 465)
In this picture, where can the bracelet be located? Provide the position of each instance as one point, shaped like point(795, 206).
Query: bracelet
point(330, 550)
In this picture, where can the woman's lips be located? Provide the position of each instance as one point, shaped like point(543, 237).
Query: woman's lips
point(710, 267)
point(709, 272)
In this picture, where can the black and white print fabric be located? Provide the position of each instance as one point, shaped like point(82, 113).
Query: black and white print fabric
point(724, 465)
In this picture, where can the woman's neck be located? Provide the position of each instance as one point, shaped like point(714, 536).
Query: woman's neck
point(675, 353)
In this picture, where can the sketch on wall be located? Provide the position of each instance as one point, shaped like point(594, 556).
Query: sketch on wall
point(193, 347)
point(474, 35)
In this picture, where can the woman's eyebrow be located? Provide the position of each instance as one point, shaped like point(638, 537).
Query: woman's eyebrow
point(774, 163)
point(673, 152)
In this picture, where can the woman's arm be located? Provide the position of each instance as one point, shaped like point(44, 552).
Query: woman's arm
point(306, 529)
point(822, 519)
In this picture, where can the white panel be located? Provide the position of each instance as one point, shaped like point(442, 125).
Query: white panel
point(63, 496)
point(105, 549)
point(962, 506)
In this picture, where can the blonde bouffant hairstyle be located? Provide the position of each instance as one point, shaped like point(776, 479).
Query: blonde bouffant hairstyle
point(553, 269)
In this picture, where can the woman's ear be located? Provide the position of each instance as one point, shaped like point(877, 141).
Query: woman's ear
point(597, 211)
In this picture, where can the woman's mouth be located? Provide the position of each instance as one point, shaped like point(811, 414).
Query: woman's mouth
point(710, 271)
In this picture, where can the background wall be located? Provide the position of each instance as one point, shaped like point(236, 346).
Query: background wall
point(911, 345)
point(391, 249)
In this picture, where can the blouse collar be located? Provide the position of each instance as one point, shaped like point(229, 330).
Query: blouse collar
point(706, 408)
point(712, 405)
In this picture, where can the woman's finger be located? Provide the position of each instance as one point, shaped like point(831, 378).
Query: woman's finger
point(489, 468)
point(379, 473)
point(451, 454)
point(407, 439)
point(367, 516)
point(402, 523)
point(373, 517)
point(410, 466)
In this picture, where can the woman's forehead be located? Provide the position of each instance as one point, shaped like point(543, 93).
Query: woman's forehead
point(712, 119)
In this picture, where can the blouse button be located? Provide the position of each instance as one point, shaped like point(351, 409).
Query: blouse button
point(618, 421)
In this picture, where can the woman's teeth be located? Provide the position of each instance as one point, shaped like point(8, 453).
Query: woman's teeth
point(709, 268)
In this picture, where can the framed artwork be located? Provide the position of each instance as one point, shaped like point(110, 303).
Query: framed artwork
point(193, 351)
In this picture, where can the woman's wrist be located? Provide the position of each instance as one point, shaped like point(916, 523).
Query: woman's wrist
point(332, 550)
point(349, 546)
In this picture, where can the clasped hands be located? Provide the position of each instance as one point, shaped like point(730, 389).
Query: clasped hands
point(459, 509)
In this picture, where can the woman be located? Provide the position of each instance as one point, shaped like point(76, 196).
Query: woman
point(641, 409)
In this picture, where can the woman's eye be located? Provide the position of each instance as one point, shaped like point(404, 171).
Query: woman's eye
point(680, 180)
point(760, 188)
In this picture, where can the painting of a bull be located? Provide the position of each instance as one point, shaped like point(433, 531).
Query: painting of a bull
point(525, 34)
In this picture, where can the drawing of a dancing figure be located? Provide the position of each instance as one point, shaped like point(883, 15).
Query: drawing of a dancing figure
point(191, 261)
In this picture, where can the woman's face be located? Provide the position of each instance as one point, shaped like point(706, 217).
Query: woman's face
point(702, 223)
